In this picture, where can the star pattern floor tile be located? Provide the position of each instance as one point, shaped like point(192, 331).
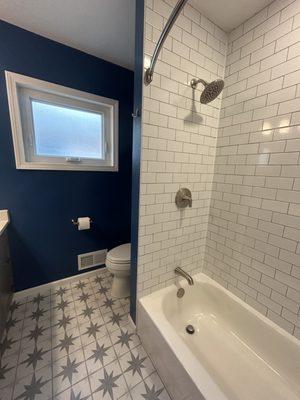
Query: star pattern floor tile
point(75, 342)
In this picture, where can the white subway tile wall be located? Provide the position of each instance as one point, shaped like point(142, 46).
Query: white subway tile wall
point(178, 143)
point(239, 156)
point(253, 237)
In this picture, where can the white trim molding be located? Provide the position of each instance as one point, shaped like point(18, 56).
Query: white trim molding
point(22, 90)
point(37, 289)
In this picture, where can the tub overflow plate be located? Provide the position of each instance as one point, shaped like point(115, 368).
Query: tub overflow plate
point(190, 329)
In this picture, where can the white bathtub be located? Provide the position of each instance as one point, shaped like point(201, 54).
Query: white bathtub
point(234, 354)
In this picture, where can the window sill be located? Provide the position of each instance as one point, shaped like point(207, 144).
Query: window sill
point(71, 167)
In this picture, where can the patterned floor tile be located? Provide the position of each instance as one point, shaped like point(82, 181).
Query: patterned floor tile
point(108, 383)
point(66, 343)
point(33, 358)
point(124, 339)
point(75, 342)
point(150, 389)
point(68, 371)
point(7, 371)
point(37, 386)
point(136, 366)
point(79, 391)
point(98, 354)
point(7, 392)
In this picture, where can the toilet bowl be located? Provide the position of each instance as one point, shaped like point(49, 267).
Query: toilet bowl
point(118, 264)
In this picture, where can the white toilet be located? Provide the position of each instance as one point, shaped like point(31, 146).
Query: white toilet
point(118, 264)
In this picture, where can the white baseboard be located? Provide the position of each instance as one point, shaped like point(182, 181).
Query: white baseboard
point(132, 323)
point(34, 290)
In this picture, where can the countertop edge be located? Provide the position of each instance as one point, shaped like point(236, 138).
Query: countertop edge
point(4, 220)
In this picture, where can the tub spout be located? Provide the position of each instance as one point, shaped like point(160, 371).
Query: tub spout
point(181, 272)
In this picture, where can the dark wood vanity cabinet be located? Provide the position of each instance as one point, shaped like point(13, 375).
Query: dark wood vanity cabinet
point(6, 281)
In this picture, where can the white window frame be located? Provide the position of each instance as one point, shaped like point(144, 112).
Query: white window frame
point(21, 90)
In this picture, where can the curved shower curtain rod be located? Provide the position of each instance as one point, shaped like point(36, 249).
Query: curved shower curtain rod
point(171, 21)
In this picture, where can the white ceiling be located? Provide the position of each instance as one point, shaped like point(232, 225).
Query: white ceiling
point(105, 28)
point(228, 14)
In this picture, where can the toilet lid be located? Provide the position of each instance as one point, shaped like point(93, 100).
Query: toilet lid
point(120, 254)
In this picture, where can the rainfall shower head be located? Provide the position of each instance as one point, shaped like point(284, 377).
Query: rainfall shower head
point(211, 90)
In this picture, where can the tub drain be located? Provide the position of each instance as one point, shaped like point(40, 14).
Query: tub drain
point(190, 329)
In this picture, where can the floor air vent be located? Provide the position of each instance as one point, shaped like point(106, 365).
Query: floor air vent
point(93, 259)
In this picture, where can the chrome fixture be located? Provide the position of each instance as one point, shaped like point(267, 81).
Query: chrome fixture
point(76, 223)
point(181, 272)
point(180, 293)
point(136, 113)
point(211, 90)
point(190, 329)
point(183, 198)
point(171, 21)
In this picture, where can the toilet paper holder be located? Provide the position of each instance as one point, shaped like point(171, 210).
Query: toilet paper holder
point(76, 223)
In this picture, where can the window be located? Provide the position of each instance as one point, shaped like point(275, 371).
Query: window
point(59, 128)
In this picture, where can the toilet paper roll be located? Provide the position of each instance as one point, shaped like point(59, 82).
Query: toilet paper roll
point(84, 223)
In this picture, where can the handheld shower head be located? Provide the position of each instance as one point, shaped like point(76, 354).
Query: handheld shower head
point(211, 90)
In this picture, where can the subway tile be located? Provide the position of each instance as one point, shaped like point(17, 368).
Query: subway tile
point(258, 79)
point(292, 233)
point(295, 118)
point(257, 19)
point(290, 11)
point(190, 40)
point(242, 40)
point(283, 158)
point(279, 183)
point(282, 243)
point(265, 112)
point(294, 209)
point(277, 122)
point(292, 79)
point(270, 304)
point(267, 26)
point(291, 258)
point(274, 60)
point(272, 147)
point(278, 31)
point(270, 86)
point(252, 46)
point(239, 65)
point(274, 205)
point(249, 71)
point(288, 280)
point(286, 67)
point(289, 106)
point(294, 50)
point(262, 53)
point(253, 218)
point(282, 95)
point(288, 40)
point(291, 171)
point(296, 21)
point(199, 32)
point(283, 323)
point(278, 5)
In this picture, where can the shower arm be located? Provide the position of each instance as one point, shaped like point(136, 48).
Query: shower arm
point(171, 21)
point(194, 82)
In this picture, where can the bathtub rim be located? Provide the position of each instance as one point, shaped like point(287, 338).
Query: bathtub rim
point(152, 305)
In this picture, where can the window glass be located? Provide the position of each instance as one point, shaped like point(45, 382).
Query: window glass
point(67, 132)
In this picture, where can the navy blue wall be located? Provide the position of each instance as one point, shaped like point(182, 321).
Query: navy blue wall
point(136, 155)
point(44, 243)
